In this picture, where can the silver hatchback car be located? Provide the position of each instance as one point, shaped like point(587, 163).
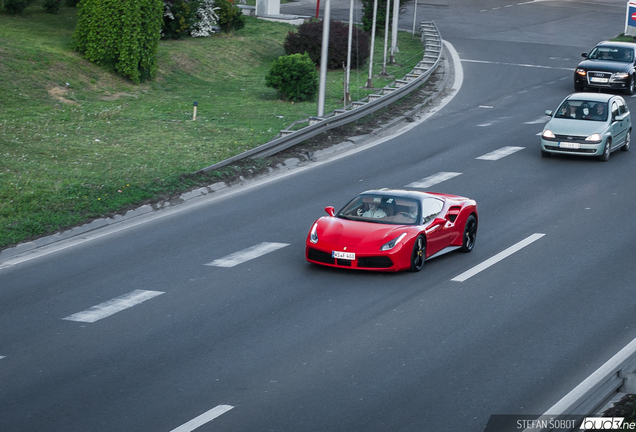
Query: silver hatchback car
point(588, 124)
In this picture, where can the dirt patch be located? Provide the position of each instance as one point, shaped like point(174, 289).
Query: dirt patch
point(59, 93)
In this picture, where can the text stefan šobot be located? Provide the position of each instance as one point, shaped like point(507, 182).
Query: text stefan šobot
point(589, 423)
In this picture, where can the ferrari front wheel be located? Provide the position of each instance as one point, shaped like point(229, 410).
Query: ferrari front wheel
point(418, 255)
point(470, 234)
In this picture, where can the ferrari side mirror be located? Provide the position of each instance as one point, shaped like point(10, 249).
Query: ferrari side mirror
point(330, 211)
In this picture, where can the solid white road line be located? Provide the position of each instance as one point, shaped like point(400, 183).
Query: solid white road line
point(433, 180)
point(113, 306)
point(1, 357)
point(502, 152)
point(203, 418)
point(494, 260)
point(247, 254)
point(515, 64)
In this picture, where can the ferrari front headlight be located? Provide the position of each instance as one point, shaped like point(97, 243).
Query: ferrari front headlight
point(313, 236)
point(390, 245)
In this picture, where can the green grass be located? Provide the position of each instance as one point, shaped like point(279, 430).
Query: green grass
point(78, 142)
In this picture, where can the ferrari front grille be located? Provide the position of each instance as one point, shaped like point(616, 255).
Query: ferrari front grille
point(320, 256)
point(375, 262)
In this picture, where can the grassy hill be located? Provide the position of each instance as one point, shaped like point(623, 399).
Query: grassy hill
point(78, 142)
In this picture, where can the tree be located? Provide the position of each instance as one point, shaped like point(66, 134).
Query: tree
point(120, 34)
point(367, 15)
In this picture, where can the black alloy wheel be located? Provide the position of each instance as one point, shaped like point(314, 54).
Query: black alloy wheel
point(470, 234)
point(419, 254)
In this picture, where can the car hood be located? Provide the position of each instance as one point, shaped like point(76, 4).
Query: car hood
point(355, 233)
point(575, 127)
point(606, 66)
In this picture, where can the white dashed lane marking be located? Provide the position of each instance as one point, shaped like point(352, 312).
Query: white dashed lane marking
point(113, 306)
point(433, 180)
point(247, 254)
point(204, 418)
point(502, 152)
point(495, 259)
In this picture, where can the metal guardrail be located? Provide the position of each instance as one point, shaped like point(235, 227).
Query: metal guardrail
point(617, 375)
point(356, 110)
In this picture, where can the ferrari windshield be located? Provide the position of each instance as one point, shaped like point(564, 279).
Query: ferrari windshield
point(382, 209)
point(582, 110)
point(611, 53)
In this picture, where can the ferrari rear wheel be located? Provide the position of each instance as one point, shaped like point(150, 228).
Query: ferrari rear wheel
point(419, 254)
point(470, 234)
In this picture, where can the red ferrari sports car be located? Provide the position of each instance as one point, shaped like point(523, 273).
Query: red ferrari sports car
point(392, 230)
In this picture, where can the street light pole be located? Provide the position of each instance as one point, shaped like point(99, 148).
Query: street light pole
point(375, 17)
point(394, 33)
point(348, 77)
point(324, 52)
point(386, 36)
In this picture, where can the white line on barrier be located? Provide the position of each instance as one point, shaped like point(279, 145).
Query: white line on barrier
point(495, 259)
point(113, 306)
point(502, 152)
point(433, 180)
point(204, 418)
point(247, 254)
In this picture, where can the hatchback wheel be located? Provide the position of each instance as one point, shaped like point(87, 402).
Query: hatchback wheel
point(628, 140)
point(606, 151)
point(631, 88)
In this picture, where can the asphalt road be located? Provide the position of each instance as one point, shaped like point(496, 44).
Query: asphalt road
point(276, 344)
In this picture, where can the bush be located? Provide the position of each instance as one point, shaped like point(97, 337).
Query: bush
point(71, 3)
point(16, 7)
point(294, 77)
point(179, 16)
point(230, 16)
point(120, 34)
point(52, 6)
point(308, 40)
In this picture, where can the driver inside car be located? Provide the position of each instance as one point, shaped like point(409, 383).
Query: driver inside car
point(373, 212)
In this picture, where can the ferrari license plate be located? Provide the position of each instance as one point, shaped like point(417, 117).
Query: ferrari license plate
point(569, 145)
point(343, 255)
point(599, 80)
